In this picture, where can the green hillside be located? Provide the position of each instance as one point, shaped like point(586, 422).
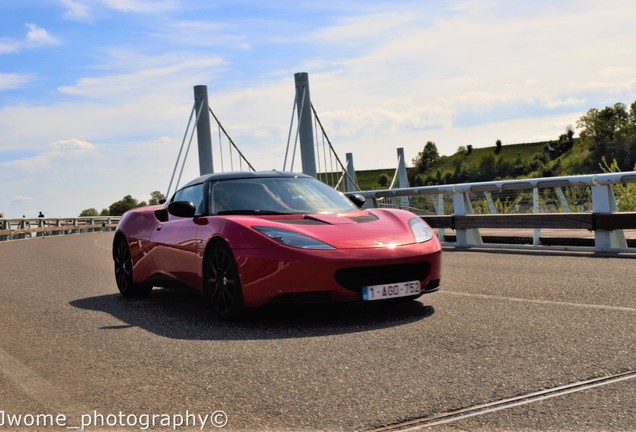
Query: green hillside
point(606, 142)
point(483, 164)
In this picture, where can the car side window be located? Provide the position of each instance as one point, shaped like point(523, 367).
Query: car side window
point(196, 195)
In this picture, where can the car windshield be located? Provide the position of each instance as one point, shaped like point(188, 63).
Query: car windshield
point(286, 195)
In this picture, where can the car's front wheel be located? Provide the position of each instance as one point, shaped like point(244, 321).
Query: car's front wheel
point(124, 272)
point(222, 284)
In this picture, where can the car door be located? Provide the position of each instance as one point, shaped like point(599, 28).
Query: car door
point(174, 241)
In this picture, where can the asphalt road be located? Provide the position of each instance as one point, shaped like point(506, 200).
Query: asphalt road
point(504, 324)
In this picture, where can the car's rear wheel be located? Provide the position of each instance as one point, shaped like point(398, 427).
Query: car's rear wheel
point(124, 272)
point(222, 284)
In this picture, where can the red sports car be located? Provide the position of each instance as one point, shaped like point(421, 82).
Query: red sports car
point(245, 239)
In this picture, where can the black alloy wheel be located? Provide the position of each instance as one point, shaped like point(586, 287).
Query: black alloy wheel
point(222, 284)
point(123, 271)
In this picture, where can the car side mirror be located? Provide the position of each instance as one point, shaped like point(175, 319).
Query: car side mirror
point(182, 209)
point(358, 200)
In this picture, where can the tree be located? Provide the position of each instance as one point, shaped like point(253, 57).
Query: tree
point(504, 168)
point(469, 149)
point(569, 132)
point(104, 212)
point(487, 167)
point(89, 212)
point(566, 141)
point(120, 207)
point(383, 180)
point(610, 132)
point(519, 167)
point(156, 197)
point(498, 147)
point(427, 159)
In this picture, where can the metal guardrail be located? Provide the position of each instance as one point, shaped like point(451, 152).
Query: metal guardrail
point(453, 207)
point(14, 229)
point(600, 215)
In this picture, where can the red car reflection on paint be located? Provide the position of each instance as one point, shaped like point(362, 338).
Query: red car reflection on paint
point(246, 239)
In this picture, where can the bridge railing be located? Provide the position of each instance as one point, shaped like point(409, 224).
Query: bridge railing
point(13, 229)
point(601, 203)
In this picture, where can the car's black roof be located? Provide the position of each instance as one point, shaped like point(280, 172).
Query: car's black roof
point(244, 175)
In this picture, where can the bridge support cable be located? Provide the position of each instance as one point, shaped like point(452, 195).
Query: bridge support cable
point(232, 144)
point(316, 140)
point(318, 156)
point(185, 157)
point(335, 163)
point(326, 175)
point(185, 135)
point(301, 112)
point(205, 160)
point(291, 127)
point(218, 129)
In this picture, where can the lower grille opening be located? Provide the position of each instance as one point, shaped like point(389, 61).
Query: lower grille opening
point(355, 278)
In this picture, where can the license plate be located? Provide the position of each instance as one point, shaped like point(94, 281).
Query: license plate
point(388, 291)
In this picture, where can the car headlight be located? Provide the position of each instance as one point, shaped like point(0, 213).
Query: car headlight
point(421, 231)
point(293, 239)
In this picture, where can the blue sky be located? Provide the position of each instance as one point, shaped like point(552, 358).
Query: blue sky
point(95, 95)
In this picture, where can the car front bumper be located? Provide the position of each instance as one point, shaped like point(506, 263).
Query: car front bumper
point(334, 275)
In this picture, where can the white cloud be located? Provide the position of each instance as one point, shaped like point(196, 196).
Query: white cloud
point(76, 10)
point(143, 80)
point(197, 33)
point(62, 151)
point(72, 145)
point(37, 36)
point(571, 101)
point(9, 46)
point(151, 101)
point(356, 29)
point(142, 6)
point(495, 58)
point(12, 81)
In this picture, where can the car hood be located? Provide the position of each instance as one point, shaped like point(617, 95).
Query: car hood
point(378, 228)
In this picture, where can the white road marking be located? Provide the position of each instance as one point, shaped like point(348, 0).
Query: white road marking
point(108, 248)
point(477, 410)
point(542, 302)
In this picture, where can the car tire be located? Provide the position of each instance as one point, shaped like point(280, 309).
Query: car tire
point(124, 273)
point(222, 283)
